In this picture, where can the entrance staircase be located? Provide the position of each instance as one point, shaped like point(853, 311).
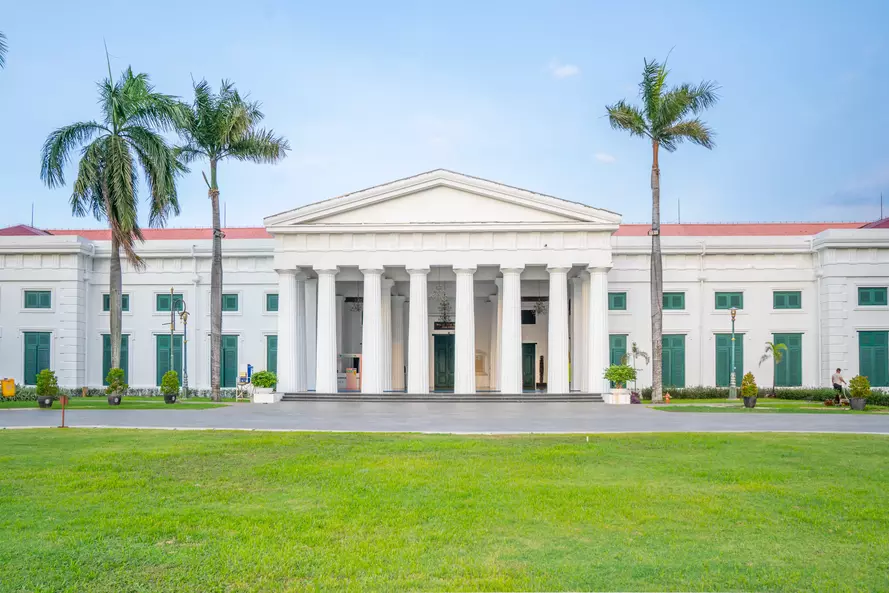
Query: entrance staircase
point(444, 397)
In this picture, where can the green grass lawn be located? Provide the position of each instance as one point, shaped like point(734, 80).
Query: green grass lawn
point(114, 511)
point(763, 406)
point(127, 403)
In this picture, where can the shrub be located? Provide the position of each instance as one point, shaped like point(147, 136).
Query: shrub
point(264, 379)
point(170, 383)
point(620, 374)
point(748, 386)
point(116, 384)
point(47, 384)
point(859, 386)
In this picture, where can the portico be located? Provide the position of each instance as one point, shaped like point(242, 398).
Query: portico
point(443, 282)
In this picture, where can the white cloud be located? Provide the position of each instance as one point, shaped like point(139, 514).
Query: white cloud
point(559, 70)
point(604, 157)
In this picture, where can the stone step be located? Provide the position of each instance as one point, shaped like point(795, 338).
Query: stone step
point(445, 397)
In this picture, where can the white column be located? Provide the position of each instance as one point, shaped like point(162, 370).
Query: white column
point(371, 332)
point(464, 323)
point(585, 333)
point(418, 330)
point(511, 332)
point(311, 330)
point(598, 331)
point(386, 285)
point(576, 332)
point(340, 303)
point(398, 342)
point(299, 307)
point(557, 376)
point(493, 355)
point(325, 376)
point(287, 349)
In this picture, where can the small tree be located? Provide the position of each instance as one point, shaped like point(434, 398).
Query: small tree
point(116, 383)
point(620, 374)
point(47, 384)
point(170, 383)
point(748, 386)
point(264, 379)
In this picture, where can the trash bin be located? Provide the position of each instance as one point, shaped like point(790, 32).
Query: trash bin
point(8, 387)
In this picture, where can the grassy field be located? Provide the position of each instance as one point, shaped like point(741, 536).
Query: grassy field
point(116, 511)
point(763, 406)
point(127, 403)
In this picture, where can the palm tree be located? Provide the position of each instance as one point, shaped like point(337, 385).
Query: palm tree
point(218, 126)
point(634, 353)
point(667, 118)
point(3, 49)
point(776, 352)
point(111, 152)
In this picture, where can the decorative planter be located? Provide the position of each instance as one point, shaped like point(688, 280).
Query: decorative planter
point(620, 396)
point(45, 401)
point(857, 403)
point(265, 395)
point(170, 399)
point(114, 399)
point(750, 402)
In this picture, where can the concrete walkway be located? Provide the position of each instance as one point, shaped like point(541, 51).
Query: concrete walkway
point(447, 417)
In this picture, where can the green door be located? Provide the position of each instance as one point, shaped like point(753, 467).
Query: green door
point(789, 372)
point(673, 363)
point(271, 354)
point(228, 362)
point(617, 347)
point(873, 357)
point(37, 345)
point(529, 353)
point(124, 357)
point(444, 362)
point(724, 359)
point(162, 355)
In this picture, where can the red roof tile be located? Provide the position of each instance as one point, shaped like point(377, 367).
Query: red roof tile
point(763, 229)
point(20, 230)
point(879, 224)
point(171, 234)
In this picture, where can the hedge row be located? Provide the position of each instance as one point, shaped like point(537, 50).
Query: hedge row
point(879, 398)
point(29, 393)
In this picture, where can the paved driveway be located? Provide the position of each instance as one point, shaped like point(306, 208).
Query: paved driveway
point(448, 417)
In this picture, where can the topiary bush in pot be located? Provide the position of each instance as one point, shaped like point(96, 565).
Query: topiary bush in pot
point(749, 390)
point(264, 380)
point(859, 392)
point(116, 386)
point(170, 387)
point(47, 388)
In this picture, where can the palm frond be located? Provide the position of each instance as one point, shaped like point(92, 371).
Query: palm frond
point(58, 146)
point(693, 130)
point(86, 196)
point(260, 146)
point(654, 75)
point(3, 49)
point(160, 166)
point(623, 116)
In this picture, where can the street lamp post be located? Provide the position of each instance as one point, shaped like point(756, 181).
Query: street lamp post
point(733, 386)
point(183, 315)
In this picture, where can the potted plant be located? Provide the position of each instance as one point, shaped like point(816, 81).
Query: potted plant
point(620, 375)
point(749, 390)
point(47, 388)
point(859, 391)
point(116, 386)
point(264, 383)
point(170, 387)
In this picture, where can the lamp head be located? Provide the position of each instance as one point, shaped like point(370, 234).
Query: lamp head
point(734, 311)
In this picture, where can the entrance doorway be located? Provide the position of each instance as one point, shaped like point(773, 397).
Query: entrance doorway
point(444, 362)
point(529, 353)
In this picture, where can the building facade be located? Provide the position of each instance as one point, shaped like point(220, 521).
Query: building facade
point(443, 281)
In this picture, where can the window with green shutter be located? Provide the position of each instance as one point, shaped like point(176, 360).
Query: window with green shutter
point(162, 355)
point(673, 360)
point(164, 302)
point(787, 299)
point(271, 353)
point(38, 299)
point(228, 361)
point(271, 302)
point(124, 302)
point(37, 354)
point(617, 301)
point(230, 302)
point(729, 300)
point(873, 357)
point(617, 348)
point(872, 296)
point(674, 301)
point(124, 357)
point(789, 372)
point(724, 359)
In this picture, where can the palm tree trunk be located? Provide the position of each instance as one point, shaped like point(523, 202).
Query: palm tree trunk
point(114, 292)
point(215, 289)
point(657, 282)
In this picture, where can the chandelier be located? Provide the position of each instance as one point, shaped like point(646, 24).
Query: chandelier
point(358, 303)
point(541, 307)
point(444, 303)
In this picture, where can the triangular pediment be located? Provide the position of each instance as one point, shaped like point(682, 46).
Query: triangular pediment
point(441, 197)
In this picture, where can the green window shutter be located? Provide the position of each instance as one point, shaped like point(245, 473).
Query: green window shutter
point(721, 301)
point(230, 302)
point(37, 355)
point(873, 357)
point(617, 347)
point(30, 299)
point(45, 299)
point(38, 299)
point(271, 302)
point(673, 363)
point(872, 296)
point(229, 361)
point(674, 301)
point(162, 355)
point(727, 300)
point(162, 304)
point(789, 372)
point(106, 357)
point(106, 302)
point(124, 356)
point(787, 299)
point(271, 353)
point(124, 302)
point(617, 301)
point(724, 359)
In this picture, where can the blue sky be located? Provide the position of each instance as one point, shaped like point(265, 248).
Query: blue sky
point(368, 92)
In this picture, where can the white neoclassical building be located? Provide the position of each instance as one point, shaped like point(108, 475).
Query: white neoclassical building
point(445, 282)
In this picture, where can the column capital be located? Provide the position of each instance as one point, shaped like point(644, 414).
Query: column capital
point(387, 283)
point(416, 270)
point(327, 271)
point(465, 269)
point(512, 270)
point(558, 269)
point(286, 271)
point(398, 299)
point(372, 270)
point(598, 269)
